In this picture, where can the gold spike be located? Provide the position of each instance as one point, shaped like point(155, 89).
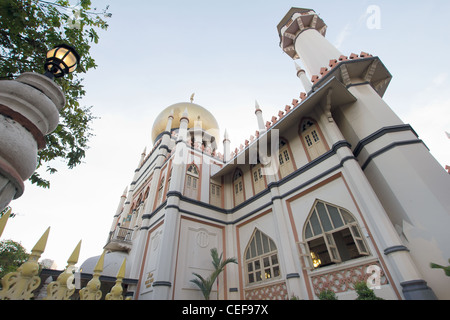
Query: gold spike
point(121, 273)
point(3, 220)
point(99, 266)
point(75, 255)
point(39, 247)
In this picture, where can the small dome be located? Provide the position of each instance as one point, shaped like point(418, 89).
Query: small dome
point(195, 113)
point(112, 263)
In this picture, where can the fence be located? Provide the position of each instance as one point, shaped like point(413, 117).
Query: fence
point(21, 284)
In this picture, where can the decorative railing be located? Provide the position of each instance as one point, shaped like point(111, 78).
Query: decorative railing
point(343, 280)
point(121, 234)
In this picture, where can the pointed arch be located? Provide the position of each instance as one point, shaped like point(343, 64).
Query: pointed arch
point(261, 259)
point(285, 159)
point(192, 182)
point(312, 139)
point(332, 235)
point(160, 192)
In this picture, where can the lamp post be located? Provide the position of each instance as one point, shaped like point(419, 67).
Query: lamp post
point(29, 110)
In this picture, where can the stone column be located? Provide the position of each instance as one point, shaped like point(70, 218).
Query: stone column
point(29, 110)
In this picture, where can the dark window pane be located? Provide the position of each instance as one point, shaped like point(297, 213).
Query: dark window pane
point(315, 224)
point(326, 223)
point(335, 217)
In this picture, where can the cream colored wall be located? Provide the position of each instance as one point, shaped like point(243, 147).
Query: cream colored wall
point(196, 241)
point(150, 271)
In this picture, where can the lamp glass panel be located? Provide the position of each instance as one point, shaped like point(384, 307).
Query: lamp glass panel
point(60, 53)
point(51, 53)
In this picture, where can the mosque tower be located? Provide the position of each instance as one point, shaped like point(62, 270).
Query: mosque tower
point(407, 179)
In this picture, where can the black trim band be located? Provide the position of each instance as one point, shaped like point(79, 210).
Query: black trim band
point(395, 249)
point(162, 284)
point(379, 133)
point(389, 147)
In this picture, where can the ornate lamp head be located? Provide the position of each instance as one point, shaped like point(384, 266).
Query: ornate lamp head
point(61, 60)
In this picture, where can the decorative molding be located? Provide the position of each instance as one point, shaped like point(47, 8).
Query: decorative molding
point(24, 122)
point(162, 284)
point(277, 291)
point(393, 249)
point(389, 147)
point(417, 290)
point(379, 133)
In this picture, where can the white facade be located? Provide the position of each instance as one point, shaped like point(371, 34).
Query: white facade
point(353, 187)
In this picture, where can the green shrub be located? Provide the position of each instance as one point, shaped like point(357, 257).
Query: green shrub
point(327, 295)
point(364, 292)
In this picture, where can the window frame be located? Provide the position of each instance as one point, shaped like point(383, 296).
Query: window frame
point(261, 262)
point(238, 187)
point(311, 140)
point(285, 159)
point(192, 181)
point(348, 221)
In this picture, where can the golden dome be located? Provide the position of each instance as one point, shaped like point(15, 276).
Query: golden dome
point(195, 113)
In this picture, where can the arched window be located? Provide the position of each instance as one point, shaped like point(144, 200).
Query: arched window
point(259, 183)
point(238, 187)
point(215, 196)
point(192, 182)
point(285, 159)
point(332, 235)
point(160, 191)
point(312, 139)
point(261, 259)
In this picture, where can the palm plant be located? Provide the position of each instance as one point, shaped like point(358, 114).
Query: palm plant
point(205, 284)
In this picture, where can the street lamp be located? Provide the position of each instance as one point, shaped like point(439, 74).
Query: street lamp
point(61, 60)
point(29, 110)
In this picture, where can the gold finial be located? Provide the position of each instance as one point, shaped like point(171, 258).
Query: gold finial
point(4, 219)
point(39, 247)
point(19, 285)
point(92, 290)
point(63, 288)
point(192, 97)
point(73, 259)
point(117, 290)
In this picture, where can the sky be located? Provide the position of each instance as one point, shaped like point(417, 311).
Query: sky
point(157, 53)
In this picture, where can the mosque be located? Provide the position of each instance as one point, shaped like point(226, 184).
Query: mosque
point(333, 189)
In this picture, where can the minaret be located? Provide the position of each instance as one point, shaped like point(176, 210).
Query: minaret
point(119, 209)
point(303, 26)
point(301, 74)
point(226, 147)
point(259, 117)
point(164, 277)
point(143, 154)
